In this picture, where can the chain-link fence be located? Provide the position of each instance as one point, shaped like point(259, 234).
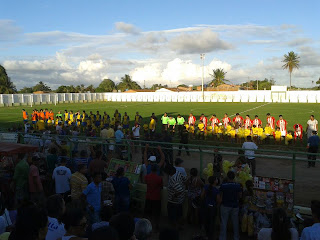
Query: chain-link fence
point(269, 163)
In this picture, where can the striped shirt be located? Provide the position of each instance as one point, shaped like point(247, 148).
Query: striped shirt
point(176, 188)
point(78, 183)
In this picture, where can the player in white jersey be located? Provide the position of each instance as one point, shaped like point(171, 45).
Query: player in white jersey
point(312, 125)
point(282, 124)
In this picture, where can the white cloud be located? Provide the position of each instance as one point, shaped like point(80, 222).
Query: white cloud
point(203, 42)
point(127, 28)
point(9, 30)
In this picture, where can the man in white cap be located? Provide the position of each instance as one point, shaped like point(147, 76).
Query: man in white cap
point(149, 161)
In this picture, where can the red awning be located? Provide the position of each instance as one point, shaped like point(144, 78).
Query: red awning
point(15, 148)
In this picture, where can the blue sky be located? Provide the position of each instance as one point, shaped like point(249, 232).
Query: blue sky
point(74, 42)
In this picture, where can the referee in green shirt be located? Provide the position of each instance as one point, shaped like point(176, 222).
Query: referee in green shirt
point(180, 123)
point(164, 120)
point(172, 124)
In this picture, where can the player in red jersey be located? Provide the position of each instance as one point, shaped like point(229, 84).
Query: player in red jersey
point(271, 120)
point(191, 120)
point(298, 132)
point(238, 119)
point(247, 122)
point(282, 124)
point(226, 120)
point(204, 120)
point(256, 121)
point(214, 120)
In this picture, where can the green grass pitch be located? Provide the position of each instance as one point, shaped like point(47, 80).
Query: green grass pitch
point(292, 112)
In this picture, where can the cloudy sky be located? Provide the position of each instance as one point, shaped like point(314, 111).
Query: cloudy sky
point(82, 42)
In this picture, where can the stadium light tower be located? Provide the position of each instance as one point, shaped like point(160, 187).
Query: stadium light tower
point(202, 56)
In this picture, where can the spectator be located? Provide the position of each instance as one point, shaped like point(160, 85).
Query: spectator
point(93, 196)
point(75, 224)
point(136, 135)
point(280, 228)
point(143, 229)
point(97, 164)
point(313, 145)
point(119, 135)
point(104, 233)
point(56, 209)
point(176, 195)
point(31, 224)
point(249, 152)
point(195, 186)
point(107, 190)
point(210, 196)
point(217, 163)
point(169, 234)
point(105, 216)
point(178, 162)
point(52, 160)
point(20, 179)
point(123, 223)
point(35, 185)
point(313, 232)
point(184, 140)
point(122, 188)
point(151, 160)
point(153, 195)
point(230, 194)
point(62, 176)
point(70, 163)
point(78, 182)
point(82, 159)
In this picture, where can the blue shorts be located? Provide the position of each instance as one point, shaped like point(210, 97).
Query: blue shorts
point(97, 123)
point(34, 122)
point(106, 125)
point(126, 126)
point(25, 120)
point(84, 123)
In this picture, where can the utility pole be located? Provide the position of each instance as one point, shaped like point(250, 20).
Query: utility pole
point(202, 56)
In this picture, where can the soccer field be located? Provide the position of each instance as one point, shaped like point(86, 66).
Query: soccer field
point(292, 112)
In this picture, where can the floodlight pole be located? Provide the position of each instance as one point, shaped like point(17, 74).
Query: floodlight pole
point(202, 56)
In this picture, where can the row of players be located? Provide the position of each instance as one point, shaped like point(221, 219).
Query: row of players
point(215, 125)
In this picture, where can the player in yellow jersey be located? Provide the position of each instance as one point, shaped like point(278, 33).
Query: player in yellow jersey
point(201, 129)
point(92, 118)
point(277, 135)
point(106, 120)
point(41, 124)
point(255, 133)
point(240, 134)
point(289, 138)
point(125, 123)
point(98, 120)
point(112, 122)
point(145, 128)
point(138, 118)
point(71, 118)
point(269, 132)
point(83, 120)
point(247, 132)
point(232, 134)
point(152, 126)
point(66, 116)
point(117, 116)
point(228, 129)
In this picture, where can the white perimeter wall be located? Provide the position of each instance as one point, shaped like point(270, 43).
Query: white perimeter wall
point(195, 96)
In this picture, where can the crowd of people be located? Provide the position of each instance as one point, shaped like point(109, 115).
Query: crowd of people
point(56, 197)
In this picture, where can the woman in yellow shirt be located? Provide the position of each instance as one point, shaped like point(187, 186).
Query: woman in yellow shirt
point(152, 126)
point(277, 135)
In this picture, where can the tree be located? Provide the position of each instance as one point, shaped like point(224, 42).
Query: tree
point(107, 85)
point(26, 90)
point(41, 87)
point(6, 86)
point(291, 61)
point(318, 82)
point(66, 89)
point(90, 88)
point(127, 83)
point(158, 86)
point(262, 84)
point(218, 77)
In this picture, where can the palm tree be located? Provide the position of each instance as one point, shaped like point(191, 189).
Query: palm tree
point(127, 83)
point(218, 77)
point(291, 61)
